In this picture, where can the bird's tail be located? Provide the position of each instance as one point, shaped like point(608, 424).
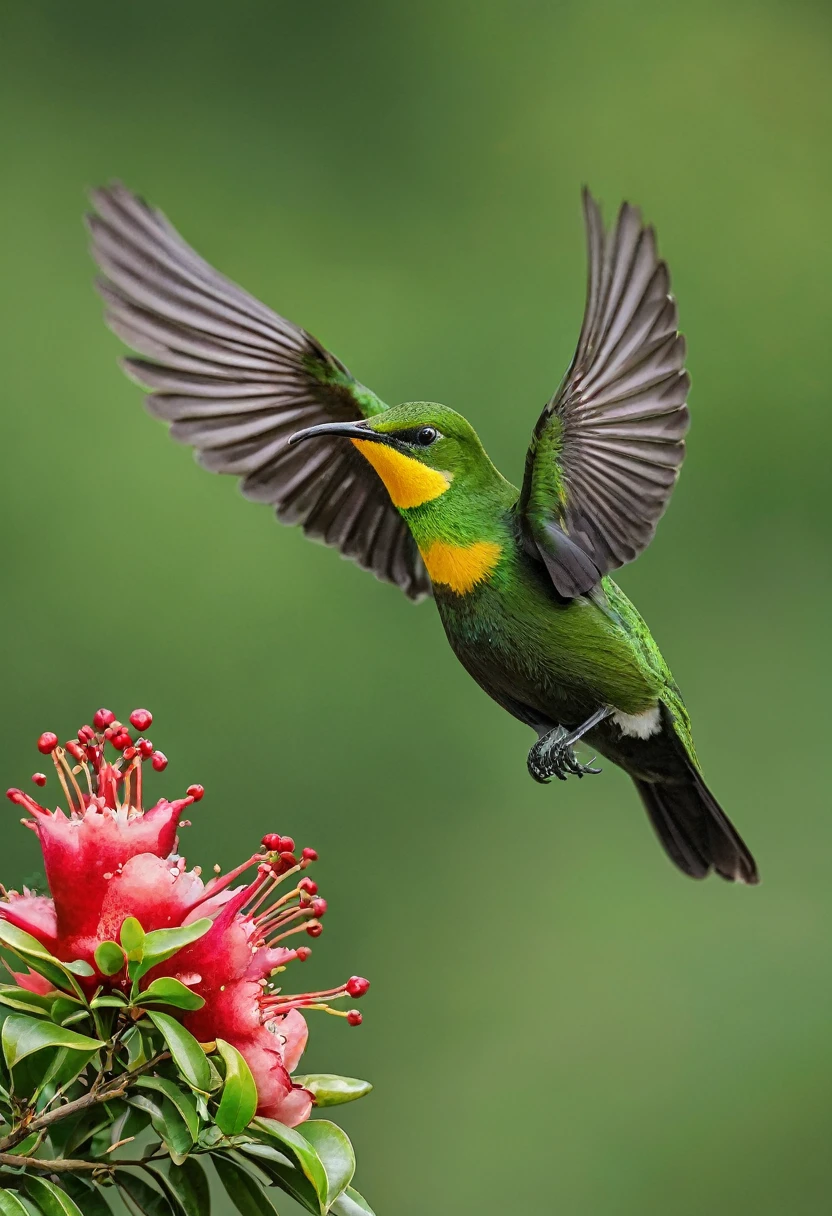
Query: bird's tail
point(696, 833)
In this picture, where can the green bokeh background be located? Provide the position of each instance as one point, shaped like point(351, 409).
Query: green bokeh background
point(559, 1022)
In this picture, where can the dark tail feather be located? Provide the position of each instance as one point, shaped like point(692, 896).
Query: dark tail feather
point(694, 830)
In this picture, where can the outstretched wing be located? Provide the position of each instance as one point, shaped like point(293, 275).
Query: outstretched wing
point(607, 448)
point(235, 380)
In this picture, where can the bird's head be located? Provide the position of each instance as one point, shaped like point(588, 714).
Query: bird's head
point(419, 450)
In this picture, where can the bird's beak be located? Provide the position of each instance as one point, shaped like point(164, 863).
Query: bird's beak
point(347, 430)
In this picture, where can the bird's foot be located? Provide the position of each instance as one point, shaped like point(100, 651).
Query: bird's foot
point(554, 756)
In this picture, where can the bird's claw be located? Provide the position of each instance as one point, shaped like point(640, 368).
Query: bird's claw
point(555, 757)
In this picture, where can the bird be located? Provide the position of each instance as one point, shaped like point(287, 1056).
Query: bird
point(521, 577)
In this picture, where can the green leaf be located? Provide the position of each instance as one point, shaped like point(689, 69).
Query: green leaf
point(109, 958)
point(149, 1201)
point(110, 1000)
point(168, 991)
point(239, 1093)
point(79, 967)
point(38, 957)
point(331, 1090)
point(10, 1205)
point(162, 944)
point(285, 1174)
point(50, 1199)
point(28, 1002)
point(187, 1187)
point(335, 1151)
point(22, 1035)
point(87, 1195)
point(64, 1007)
point(245, 1192)
point(166, 1121)
point(187, 1054)
point(132, 939)
point(136, 1054)
point(182, 1099)
point(351, 1204)
point(290, 1141)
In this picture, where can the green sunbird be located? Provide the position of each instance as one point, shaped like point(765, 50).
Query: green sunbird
point(521, 578)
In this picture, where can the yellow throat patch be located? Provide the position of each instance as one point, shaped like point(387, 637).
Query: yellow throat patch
point(461, 567)
point(408, 482)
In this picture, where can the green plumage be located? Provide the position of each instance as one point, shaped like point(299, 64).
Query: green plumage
point(521, 578)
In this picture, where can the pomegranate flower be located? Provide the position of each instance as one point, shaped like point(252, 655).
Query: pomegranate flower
point(114, 872)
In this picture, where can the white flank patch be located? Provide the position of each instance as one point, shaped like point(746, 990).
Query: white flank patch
point(640, 726)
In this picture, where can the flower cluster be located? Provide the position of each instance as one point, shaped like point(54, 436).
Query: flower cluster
point(108, 859)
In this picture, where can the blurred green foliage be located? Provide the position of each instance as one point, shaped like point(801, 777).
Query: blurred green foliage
point(558, 1021)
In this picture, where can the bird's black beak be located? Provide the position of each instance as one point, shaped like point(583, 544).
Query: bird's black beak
point(347, 430)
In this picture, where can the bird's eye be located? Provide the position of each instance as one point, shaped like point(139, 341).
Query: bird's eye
point(426, 435)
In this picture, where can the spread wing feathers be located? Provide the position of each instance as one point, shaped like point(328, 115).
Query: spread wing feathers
point(234, 380)
point(607, 449)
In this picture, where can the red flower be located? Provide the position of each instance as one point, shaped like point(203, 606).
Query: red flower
point(109, 859)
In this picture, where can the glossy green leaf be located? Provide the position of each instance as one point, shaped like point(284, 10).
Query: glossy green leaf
point(187, 1187)
point(79, 967)
point(37, 956)
point(136, 1053)
point(333, 1147)
point(284, 1173)
point(245, 1192)
point(109, 958)
point(34, 1003)
point(186, 1053)
point(65, 1007)
point(351, 1204)
point(10, 1205)
point(169, 991)
point(110, 1000)
point(239, 1093)
point(132, 938)
point(182, 1099)
point(331, 1090)
point(290, 1141)
point(88, 1196)
point(166, 1121)
point(147, 1199)
point(22, 1035)
point(50, 1199)
point(161, 944)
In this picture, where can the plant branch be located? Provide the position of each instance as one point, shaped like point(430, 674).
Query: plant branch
point(113, 1089)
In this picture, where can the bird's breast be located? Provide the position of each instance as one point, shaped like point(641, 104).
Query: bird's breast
point(460, 567)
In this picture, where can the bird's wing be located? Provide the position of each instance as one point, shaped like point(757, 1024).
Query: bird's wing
point(607, 448)
point(235, 380)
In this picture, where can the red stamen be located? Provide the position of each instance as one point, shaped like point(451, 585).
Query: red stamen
point(76, 751)
point(303, 953)
point(314, 929)
point(159, 761)
point(309, 855)
point(39, 778)
point(47, 742)
point(141, 719)
point(308, 885)
point(356, 986)
point(354, 1018)
point(197, 792)
point(145, 747)
point(102, 718)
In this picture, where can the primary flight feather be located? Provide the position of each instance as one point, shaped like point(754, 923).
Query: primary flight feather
point(520, 578)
